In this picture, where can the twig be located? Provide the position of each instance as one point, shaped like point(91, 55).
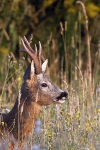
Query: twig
point(6, 34)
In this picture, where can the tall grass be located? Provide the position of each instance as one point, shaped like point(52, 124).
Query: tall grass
point(74, 125)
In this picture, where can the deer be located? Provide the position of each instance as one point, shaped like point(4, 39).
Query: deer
point(36, 91)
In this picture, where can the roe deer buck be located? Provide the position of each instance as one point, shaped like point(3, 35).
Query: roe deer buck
point(36, 91)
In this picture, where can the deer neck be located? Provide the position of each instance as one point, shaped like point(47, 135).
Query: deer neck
point(20, 120)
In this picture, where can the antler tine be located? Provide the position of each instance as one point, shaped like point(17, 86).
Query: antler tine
point(40, 48)
point(35, 48)
point(33, 54)
point(39, 52)
point(26, 48)
point(28, 44)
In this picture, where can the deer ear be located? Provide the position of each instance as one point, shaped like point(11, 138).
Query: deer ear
point(32, 67)
point(44, 65)
point(27, 73)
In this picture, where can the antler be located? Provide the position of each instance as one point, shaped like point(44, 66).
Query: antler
point(34, 54)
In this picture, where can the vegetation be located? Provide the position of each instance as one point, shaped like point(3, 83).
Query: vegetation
point(69, 33)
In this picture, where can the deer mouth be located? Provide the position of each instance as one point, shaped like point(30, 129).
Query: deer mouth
point(62, 97)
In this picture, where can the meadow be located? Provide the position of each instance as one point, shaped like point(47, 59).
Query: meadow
point(74, 125)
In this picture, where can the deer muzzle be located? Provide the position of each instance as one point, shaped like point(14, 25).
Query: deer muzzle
point(61, 98)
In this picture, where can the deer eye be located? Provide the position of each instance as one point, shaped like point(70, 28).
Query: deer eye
point(44, 85)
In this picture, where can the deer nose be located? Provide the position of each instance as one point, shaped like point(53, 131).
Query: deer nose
point(64, 94)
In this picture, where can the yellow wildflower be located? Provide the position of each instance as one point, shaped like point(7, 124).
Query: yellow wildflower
point(79, 126)
point(68, 114)
point(77, 116)
point(98, 110)
point(49, 121)
point(88, 128)
point(18, 78)
point(2, 123)
point(49, 135)
point(78, 112)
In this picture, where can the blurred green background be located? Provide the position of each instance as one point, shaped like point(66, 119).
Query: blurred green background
point(59, 25)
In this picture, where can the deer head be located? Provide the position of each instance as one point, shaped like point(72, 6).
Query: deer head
point(37, 85)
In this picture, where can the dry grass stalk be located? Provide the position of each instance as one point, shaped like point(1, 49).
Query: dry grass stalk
point(88, 43)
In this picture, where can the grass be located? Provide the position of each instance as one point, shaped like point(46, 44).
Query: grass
point(74, 125)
